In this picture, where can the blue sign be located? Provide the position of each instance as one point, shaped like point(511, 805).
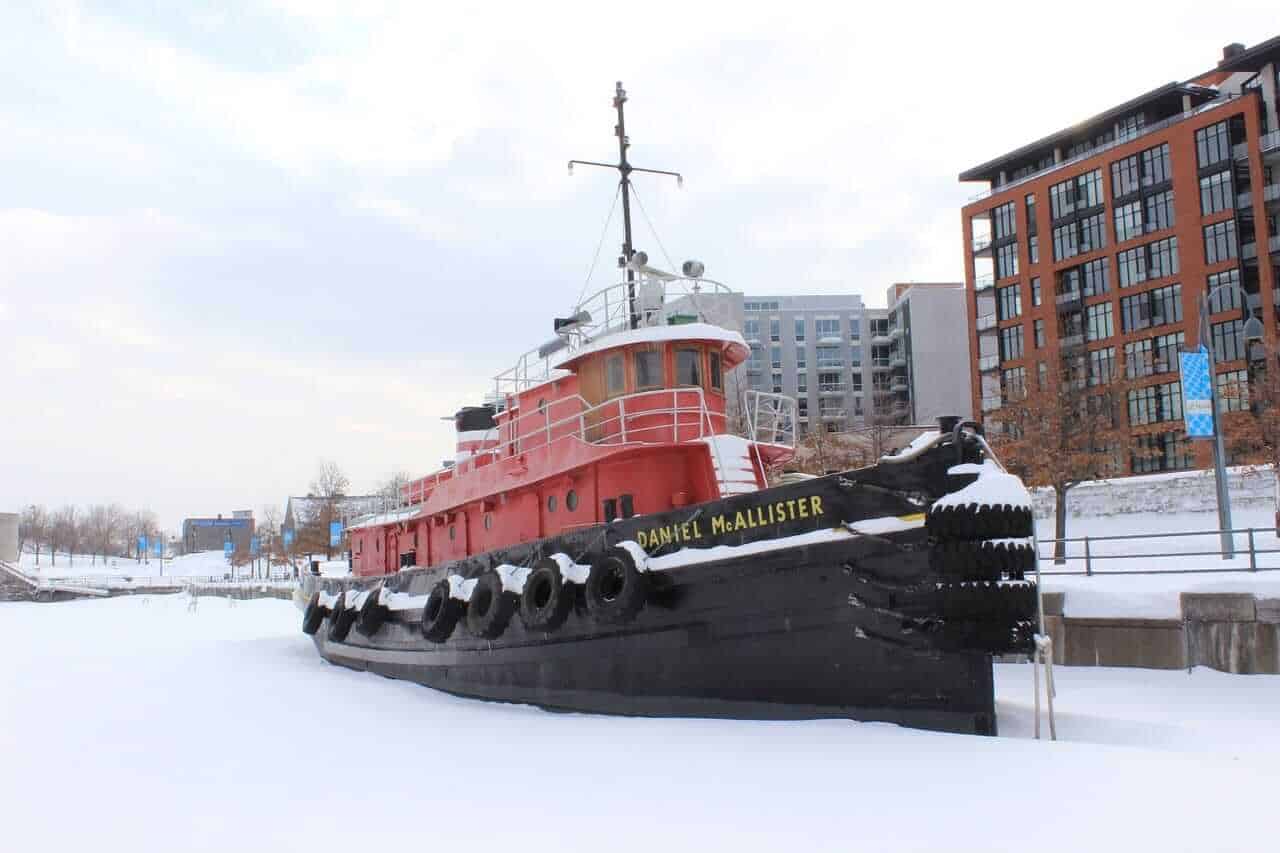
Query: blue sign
point(288, 537)
point(159, 546)
point(1197, 393)
point(228, 547)
point(219, 522)
point(335, 532)
point(253, 545)
point(142, 543)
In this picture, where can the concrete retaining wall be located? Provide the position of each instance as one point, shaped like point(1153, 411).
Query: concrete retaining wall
point(1223, 631)
point(1186, 491)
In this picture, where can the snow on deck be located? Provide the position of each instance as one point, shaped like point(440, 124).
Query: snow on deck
point(731, 456)
point(143, 727)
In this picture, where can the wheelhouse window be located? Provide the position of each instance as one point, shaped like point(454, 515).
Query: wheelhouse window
point(648, 369)
point(716, 380)
point(615, 375)
point(688, 367)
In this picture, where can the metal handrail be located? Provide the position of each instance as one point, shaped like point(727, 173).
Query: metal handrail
point(1093, 152)
point(1089, 557)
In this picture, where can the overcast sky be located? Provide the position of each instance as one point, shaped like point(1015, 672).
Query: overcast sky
point(233, 242)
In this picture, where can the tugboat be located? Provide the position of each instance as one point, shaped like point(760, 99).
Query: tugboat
point(611, 538)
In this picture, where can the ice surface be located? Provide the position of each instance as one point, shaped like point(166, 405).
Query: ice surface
point(137, 726)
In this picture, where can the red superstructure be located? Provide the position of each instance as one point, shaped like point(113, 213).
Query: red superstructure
point(606, 422)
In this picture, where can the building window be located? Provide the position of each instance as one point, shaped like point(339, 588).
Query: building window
point(688, 367)
point(856, 384)
point(1154, 260)
point(802, 358)
point(829, 382)
point(1155, 165)
point(1099, 325)
point(1160, 211)
point(1003, 221)
point(1233, 391)
point(1152, 356)
point(777, 383)
point(755, 360)
point(1009, 304)
point(1013, 383)
point(802, 407)
point(1228, 340)
point(1011, 343)
point(1007, 261)
point(615, 376)
point(1064, 241)
point(1128, 218)
point(1217, 193)
point(826, 328)
point(1156, 307)
point(648, 369)
point(802, 383)
point(799, 330)
point(1093, 233)
point(751, 329)
point(1035, 291)
point(1033, 248)
point(1155, 404)
point(1166, 451)
point(775, 358)
point(1124, 177)
point(1031, 214)
point(1228, 298)
point(1039, 333)
point(1213, 145)
point(1220, 242)
point(775, 330)
point(1102, 365)
point(855, 356)
point(829, 357)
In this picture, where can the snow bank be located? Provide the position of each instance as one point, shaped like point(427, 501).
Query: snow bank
point(993, 487)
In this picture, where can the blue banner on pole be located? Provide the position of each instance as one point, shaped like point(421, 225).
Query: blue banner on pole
point(142, 544)
point(1197, 393)
point(253, 546)
point(335, 532)
point(158, 544)
point(228, 547)
point(288, 537)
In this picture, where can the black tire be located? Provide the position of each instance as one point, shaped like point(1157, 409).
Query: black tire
point(312, 616)
point(981, 561)
point(616, 588)
point(972, 522)
point(373, 614)
point(546, 599)
point(340, 620)
point(490, 607)
point(440, 614)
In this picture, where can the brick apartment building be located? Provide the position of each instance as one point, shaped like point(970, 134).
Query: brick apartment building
point(1092, 247)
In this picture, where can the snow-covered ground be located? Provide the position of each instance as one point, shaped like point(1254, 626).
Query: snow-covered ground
point(1156, 596)
point(132, 724)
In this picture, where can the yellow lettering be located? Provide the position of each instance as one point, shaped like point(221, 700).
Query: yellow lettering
point(816, 505)
point(791, 508)
point(760, 516)
point(684, 531)
point(718, 525)
point(664, 536)
point(804, 508)
point(643, 539)
point(697, 534)
point(782, 512)
point(739, 522)
point(771, 513)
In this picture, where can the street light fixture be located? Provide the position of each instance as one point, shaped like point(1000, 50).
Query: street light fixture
point(1252, 332)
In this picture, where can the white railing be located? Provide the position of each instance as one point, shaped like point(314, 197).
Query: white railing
point(988, 362)
point(771, 418)
point(1269, 141)
point(986, 321)
point(607, 311)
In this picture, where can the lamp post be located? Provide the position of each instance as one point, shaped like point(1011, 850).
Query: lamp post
point(1252, 332)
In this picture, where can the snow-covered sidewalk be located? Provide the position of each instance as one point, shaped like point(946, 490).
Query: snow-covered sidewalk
point(133, 725)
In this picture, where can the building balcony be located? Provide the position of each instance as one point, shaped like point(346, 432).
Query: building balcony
point(881, 340)
point(1249, 251)
point(1270, 142)
point(1071, 341)
point(899, 384)
point(1240, 151)
point(834, 414)
point(898, 360)
point(988, 363)
point(879, 364)
point(832, 388)
point(895, 334)
point(832, 365)
point(1069, 301)
point(984, 282)
point(981, 247)
point(990, 404)
point(985, 322)
point(1271, 193)
point(1273, 244)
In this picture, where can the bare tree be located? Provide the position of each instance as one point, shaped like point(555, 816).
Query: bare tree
point(33, 527)
point(63, 531)
point(331, 484)
point(821, 452)
point(268, 530)
point(104, 523)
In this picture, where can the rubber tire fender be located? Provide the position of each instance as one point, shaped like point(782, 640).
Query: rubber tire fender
point(616, 589)
point(441, 613)
point(491, 607)
point(373, 614)
point(312, 616)
point(547, 598)
point(341, 620)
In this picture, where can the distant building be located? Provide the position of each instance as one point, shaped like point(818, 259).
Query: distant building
point(928, 351)
point(307, 519)
point(212, 534)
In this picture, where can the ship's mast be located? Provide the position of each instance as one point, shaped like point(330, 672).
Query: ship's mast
point(625, 169)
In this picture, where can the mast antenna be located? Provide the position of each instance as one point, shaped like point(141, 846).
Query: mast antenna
point(625, 169)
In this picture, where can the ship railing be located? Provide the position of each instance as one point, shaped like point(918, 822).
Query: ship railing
point(770, 418)
point(658, 300)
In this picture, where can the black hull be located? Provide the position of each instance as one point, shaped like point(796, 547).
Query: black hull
point(824, 623)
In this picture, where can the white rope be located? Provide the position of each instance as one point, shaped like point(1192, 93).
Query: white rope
point(600, 245)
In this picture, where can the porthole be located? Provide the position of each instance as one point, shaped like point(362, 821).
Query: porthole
point(571, 500)
point(551, 503)
point(488, 521)
point(453, 531)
